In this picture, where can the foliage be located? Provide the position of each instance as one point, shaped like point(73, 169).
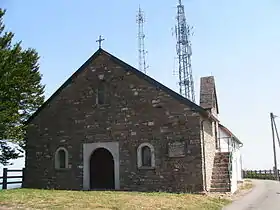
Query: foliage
point(260, 175)
point(21, 91)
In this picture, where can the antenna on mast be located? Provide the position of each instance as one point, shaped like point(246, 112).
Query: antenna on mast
point(184, 53)
point(141, 41)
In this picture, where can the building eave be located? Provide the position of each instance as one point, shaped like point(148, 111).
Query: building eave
point(225, 129)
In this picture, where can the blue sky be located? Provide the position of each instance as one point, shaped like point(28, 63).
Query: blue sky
point(235, 41)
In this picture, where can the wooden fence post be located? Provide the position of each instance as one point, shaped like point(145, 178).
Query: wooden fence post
point(5, 178)
point(23, 175)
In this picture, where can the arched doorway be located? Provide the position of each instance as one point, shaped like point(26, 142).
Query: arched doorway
point(102, 174)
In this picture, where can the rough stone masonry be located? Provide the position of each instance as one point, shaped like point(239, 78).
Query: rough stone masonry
point(137, 110)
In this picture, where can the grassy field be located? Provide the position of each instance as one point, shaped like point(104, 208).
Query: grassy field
point(54, 199)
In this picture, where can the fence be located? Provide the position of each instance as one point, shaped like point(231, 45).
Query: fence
point(260, 174)
point(6, 177)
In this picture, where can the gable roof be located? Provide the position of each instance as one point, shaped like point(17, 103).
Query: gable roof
point(227, 131)
point(126, 67)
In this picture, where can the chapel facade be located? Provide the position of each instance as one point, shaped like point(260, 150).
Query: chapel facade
point(109, 126)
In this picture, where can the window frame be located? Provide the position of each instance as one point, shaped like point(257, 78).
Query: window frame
point(57, 158)
point(140, 158)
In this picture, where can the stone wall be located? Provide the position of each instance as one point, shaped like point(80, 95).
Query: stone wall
point(208, 137)
point(208, 96)
point(135, 112)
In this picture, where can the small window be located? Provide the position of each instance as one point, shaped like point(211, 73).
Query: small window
point(100, 94)
point(145, 156)
point(61, 158)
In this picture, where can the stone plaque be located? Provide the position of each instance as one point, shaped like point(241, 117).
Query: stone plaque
point(176, 149)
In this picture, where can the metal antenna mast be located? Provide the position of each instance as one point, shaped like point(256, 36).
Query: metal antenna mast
point(184, 53)
point(141, 41)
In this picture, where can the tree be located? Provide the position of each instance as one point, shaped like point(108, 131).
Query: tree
point(21, 92)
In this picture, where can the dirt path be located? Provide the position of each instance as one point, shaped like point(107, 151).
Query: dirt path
point(264, 196)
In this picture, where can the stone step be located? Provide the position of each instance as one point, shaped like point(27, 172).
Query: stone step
point(221, 155)
point(220, 185)
point(227, 181)
point(220, 173)
point(220, 176)
point(219, 180)
point(221, 164)
point(220, 190)
point(220, 168)
point(219, 160)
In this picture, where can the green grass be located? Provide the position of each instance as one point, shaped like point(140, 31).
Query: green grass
point(105, 200)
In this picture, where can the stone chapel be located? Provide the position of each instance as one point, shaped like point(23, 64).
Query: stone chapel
point(110, 126)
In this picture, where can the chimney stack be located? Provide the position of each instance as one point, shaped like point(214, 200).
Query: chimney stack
point(208, 96)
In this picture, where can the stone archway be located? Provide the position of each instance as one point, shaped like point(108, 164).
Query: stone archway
point(102, 173)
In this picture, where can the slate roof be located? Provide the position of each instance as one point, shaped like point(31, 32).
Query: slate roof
point(129, 68)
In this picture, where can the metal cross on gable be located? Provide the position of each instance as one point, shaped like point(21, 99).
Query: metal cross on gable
point(100, 40)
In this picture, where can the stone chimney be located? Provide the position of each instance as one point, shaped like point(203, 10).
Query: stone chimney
point(208, 96)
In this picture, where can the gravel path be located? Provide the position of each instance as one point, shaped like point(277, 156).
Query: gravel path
point(264, 196)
